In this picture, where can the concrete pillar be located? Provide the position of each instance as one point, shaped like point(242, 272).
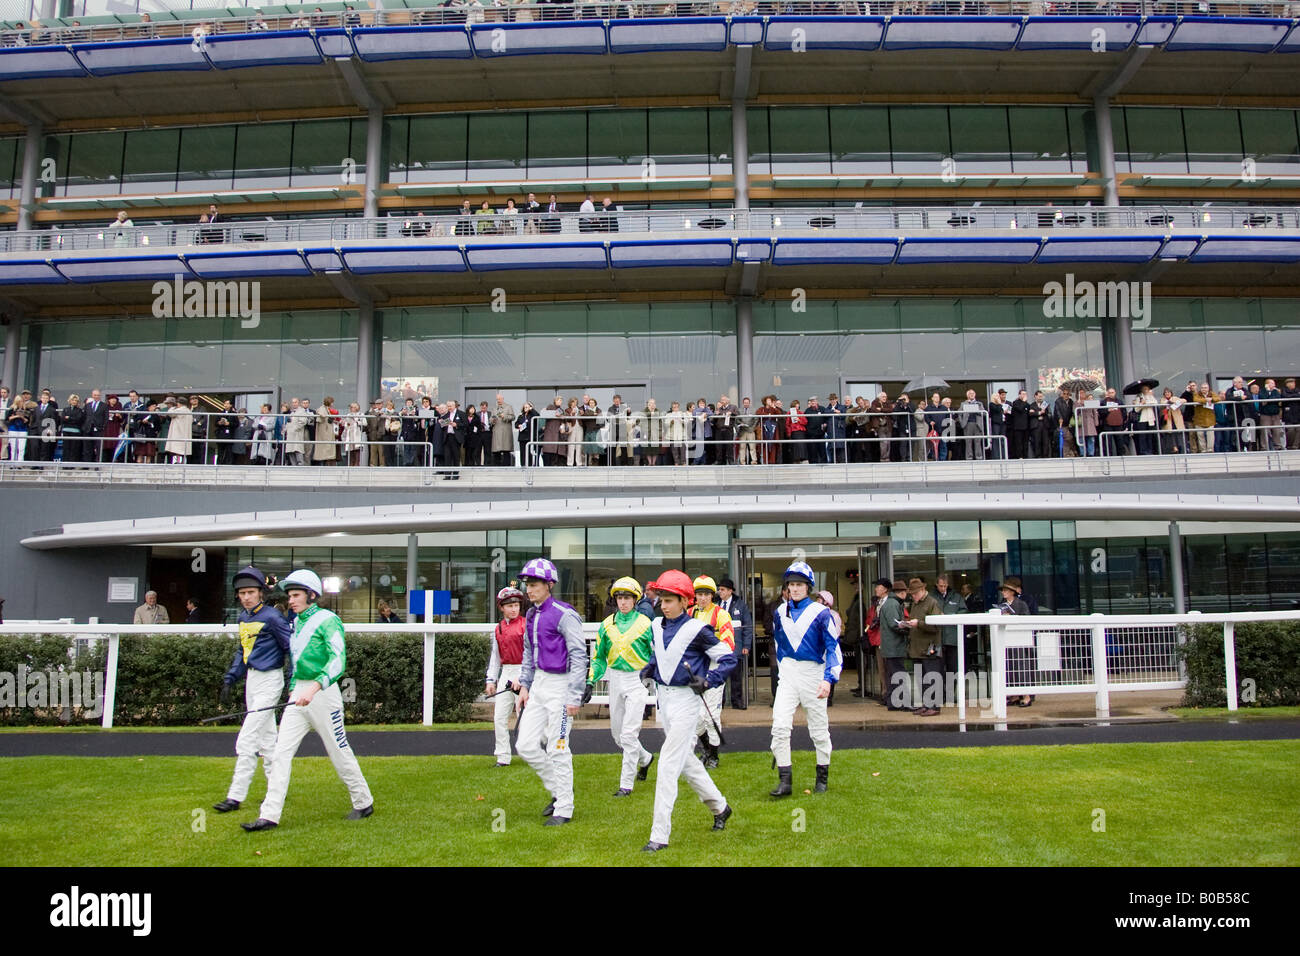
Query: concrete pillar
point(13, 342)
point(30, 174)
point(366, 356)
point(1176, 568)
point(745, 350)
point(740, 153)
point(376, 174)
point(412, 568)
point(1117, 332)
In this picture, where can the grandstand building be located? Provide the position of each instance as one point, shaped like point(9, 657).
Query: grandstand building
point(805, 198)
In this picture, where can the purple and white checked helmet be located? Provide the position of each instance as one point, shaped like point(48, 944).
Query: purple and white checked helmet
point(540, 568)
point(800, 570)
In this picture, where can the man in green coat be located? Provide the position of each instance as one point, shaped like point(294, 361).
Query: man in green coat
point(319, 658)
point(925, 648)
point(894, 646)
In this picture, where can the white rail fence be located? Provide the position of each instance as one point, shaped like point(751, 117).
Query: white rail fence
point(1099, 654)
point(112, 633)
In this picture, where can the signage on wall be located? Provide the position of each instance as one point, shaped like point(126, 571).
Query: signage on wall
point(123, 590)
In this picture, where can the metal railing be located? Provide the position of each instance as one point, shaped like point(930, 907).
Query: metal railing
point(826, 437)
point(1240, 425)
point(1095, 653)
point(70, 30)
point(703, 223)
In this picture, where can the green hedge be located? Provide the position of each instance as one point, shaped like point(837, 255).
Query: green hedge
point(1268, 657)
point(46, 654)
point(167, 680)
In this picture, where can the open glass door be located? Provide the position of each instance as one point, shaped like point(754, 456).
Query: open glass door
point(874, 561)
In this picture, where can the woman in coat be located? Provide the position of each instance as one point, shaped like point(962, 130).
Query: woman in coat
point(264, 437)
point(677, 424)
point(571, 429)
point(295, 436)
point(114, 426)
point(1173, 435)
point(1144, 407)
point(72, 420)
point(324, 448)
point(651, 421)
point(180, 431)
point(553, 447)
point(353, 435)
point(524, 429)
point(503, 432)
point(591, 425)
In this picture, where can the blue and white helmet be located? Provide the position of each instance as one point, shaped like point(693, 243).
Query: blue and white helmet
point(541, 569)
point(800, 569)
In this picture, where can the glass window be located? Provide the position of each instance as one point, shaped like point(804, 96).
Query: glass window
point(397, 133)
point(994, 338)
point(150, 165)
point(616, 142)
point(981, 140)
point(1234, 336)
point(252, 357)
point(1174, 348)
point(262, 156)
point(10, 164)
point(1083, 140)
point(912, 547)
point(1281, 335)
point(1247, 568)
point(207, 158)
point(679, 142)
point(655, 550)
point(1155, 139)
point(720, 142)
point(436, 149)
point(354, 601)
point(929, 343)
point(95, 166)
point(131, 360)
point(609, 557)
point(760, 145)
point(1270, 138)
point(1284, 568)
point(567, 549)
point(859, 139)
point(557, 145)
point(496, 145)
point(708, 551)
point(1040, 141)
point(1213, 141)
point(919, 135)
point(319, 149)
point(1206, 571)
point(801, 140)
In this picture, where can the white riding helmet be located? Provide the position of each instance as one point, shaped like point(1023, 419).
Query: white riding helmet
point(303, 580)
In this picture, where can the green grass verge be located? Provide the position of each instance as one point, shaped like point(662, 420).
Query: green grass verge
point(1243, 713)
point(1165, 804)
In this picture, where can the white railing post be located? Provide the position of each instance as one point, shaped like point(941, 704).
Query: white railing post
point(110, 682)
point(1099, 674)
point(1230, 662)
point(999, 672)
point(961, 673)
point(429, 642)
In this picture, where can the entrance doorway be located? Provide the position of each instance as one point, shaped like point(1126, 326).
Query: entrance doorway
point(838, 567)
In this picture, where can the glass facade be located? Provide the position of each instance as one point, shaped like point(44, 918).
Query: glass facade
point(283, 155)
point(1066, 567)
point(301, 353)
point(572, 145)
point(665, 350)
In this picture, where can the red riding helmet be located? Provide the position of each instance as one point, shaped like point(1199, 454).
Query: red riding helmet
point(675, 582)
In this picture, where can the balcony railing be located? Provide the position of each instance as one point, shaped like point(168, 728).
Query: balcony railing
point(194, 18)
point(761, 224)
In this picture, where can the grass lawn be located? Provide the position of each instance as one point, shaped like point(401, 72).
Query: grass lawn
point(1165, 804)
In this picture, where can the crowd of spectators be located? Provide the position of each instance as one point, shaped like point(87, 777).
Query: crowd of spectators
point(25, 33)
point(421, 431)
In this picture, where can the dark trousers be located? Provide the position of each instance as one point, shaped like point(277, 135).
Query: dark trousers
point(1019, 442)
point(950, 667)
point(898, 689)
point(736, 683)
point(931, 689)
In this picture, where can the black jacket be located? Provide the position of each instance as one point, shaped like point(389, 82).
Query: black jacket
point(96, 418)
point(1020, 415)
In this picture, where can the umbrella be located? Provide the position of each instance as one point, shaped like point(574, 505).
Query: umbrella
point(925, 383)
point(1132, 388)
point(1080, 384)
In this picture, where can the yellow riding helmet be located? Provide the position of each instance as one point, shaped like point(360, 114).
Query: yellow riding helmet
point(706, 583)
point(626, 586)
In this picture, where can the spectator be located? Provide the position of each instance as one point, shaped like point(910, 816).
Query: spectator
point(746, 433)
point(16, 423)
point(72, 425)
point(324, 447)
point(386, 614)
point(120, 229)
point(1172, 440)
point(243, 437)
point(1145, 425)
point(1018, 426)
point(353, 435)
point(1290, 413)
point(524, 429)
point(971, 421)
point(998, 412)
point(151, 612)
point(192, 615)
point(1270, 417)
point(904, 423)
